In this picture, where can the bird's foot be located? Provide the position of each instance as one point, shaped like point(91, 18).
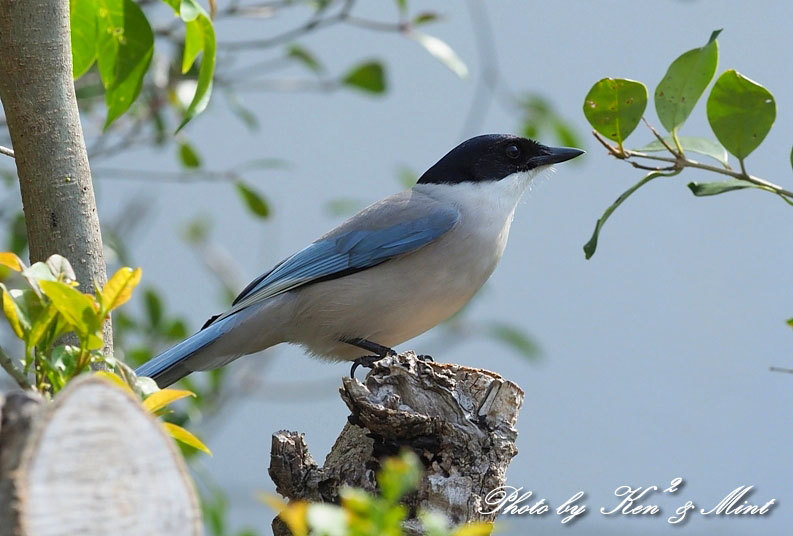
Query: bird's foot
point(367, 361)
point(425, 357)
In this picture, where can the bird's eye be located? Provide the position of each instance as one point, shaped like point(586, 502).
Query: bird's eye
point(512, 151)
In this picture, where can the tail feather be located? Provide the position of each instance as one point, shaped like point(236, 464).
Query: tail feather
point(172, 365)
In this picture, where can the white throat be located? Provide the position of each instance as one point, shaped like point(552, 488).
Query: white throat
point(491, 200)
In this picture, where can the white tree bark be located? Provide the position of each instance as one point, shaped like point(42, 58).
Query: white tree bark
point(459, 420)
point(93, 463)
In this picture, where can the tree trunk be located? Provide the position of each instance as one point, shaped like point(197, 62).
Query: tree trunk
point(37, 93)
point(459, 420)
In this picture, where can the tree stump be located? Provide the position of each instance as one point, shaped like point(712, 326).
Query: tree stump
point(459, 420)
point(93, 463)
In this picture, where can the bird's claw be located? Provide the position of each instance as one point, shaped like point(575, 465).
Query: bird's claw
point(425, 357)
point(367, 361)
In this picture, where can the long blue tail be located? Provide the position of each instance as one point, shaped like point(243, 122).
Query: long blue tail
point(171, 365)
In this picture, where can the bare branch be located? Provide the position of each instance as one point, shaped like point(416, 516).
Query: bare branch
point(8, 365)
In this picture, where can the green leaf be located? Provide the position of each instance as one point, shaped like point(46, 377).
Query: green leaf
point(703, 189)
point(153, 306)
point(41, 325)
point(302, 55)
point(125, 44)
point(193, 44)
point(399, 475)
point(692, 144)
point(82, 20)
point(188, 156)
point(441, 51)
point(685, 82)
point(425, 17)
point(790, 322)
point(238, 109)
point(197, 22)
point(591, 246)
point(369, 77)
point(253, 200)
point(77, 308)
point(343, 207)
point(614, 107)
point(740, 112)
point(515, 338)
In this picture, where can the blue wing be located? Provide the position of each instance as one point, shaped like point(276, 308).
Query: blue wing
point(346, 252)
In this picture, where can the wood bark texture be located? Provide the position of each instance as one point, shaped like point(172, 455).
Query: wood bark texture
point(37, 93)
point(93, 463)
point(459, 420)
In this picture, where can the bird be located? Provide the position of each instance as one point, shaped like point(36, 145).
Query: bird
point(389, 273)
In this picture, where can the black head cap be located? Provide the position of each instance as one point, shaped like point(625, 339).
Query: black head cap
point(492, 157)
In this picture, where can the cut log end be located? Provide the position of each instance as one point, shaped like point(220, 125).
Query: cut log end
point(93, 462)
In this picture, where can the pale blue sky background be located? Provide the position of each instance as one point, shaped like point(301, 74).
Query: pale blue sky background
point(655, 352)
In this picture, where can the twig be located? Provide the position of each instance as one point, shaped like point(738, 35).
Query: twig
point(660, 138)
point(8, 365)
point(780, 369)
point(6, 151)
point(489, 76)
point(314, 23)
point(681, 162)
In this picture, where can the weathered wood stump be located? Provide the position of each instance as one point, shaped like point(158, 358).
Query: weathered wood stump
point(459, 420)
point(93, 463)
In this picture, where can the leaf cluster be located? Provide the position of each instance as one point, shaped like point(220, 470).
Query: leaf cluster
point(739, 110)
point(52, 308)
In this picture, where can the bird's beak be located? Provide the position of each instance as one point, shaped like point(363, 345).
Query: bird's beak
point(555, 155)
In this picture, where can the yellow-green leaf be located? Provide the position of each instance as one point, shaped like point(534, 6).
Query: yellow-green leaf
point(113, 378)
point(294, 514)
point(13, 314)
point(79, 309)
point(194, 15)
point(82, 16)
point(158, 400)
point(41, 325)
point(477, 528)
point(182, 435)
point(118, 290)
point(11, 260)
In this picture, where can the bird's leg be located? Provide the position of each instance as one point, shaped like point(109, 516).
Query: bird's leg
point(368, 361)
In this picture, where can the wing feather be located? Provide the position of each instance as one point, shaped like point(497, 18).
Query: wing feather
point(364, 241)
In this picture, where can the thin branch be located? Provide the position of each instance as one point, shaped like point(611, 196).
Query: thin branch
point(489, 76)
point(660, 138)
point(681, 162)
point(195, 175)
point(780, 369)
point(314, 23)
point(6, 151)
point(8, 365)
